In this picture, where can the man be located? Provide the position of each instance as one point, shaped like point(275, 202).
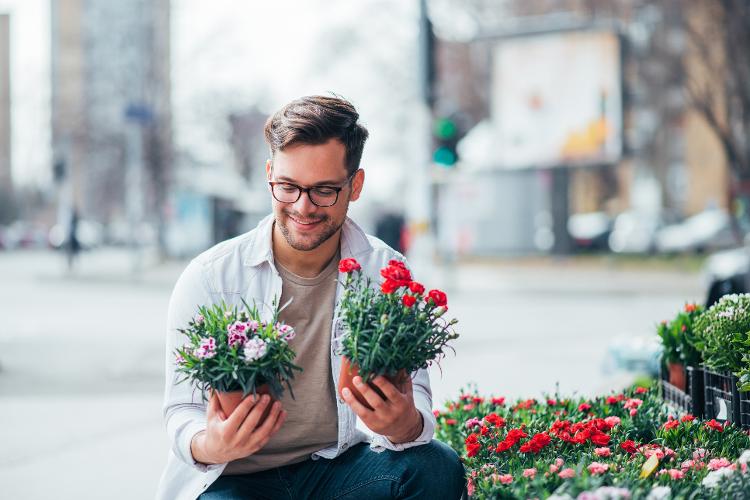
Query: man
point(308, 447)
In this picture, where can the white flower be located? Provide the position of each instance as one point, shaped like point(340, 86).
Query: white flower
point(255, 348)
point(659, 493)
point(611, 493)
point(712, 478)
point(744, 458)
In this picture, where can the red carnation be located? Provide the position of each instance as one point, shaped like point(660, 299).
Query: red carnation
point(641, 390)
point(687, 418)
point(397, 273)
point(495, 419)
point(629, 446)
point(498, 401)
point(713, 424)
point(389, 286)
point(437, 297)
point(671, 424)
point(408, 300)
point(417, 288)
point(349, 265)
point(599, 438)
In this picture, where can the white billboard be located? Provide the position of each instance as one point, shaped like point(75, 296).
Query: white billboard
point(557, 100)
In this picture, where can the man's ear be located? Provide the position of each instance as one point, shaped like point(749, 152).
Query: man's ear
point(358, 182)
point(269, 169)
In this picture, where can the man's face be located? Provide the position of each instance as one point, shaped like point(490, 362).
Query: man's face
point(304, 225)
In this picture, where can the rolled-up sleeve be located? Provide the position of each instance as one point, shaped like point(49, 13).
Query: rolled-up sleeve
point(184, 406)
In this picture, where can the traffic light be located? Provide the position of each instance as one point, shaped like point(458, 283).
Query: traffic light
point(445, 133)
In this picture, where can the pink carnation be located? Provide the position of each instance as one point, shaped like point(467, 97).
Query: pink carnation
point(529, 473)
point(602, 452)
point(207, 349)
point(699, 453)
point(633, 403)
point(673, 473)
point(567, 473)
point(612, 421)
point(506, 478)
point(718, 463)
point(598, 468)
point(633, 412)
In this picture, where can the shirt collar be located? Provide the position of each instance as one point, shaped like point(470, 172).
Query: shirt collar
point(354, 242)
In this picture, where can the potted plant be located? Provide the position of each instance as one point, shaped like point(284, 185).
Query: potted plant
point(722, 335)
point(234, 353)
point(678, 342)
point(391, 330)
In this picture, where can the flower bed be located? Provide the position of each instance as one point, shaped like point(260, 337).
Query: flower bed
point(624, 445)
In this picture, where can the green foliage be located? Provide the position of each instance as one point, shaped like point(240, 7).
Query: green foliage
point(227, 367)
point(678, 337)
point(383, 336)
point(723, 336)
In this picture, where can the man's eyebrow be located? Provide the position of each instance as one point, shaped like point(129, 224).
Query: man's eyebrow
point(283, 178)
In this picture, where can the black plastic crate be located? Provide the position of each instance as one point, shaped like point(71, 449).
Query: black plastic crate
point(674, 396)
point(722, 399)
point(696, 390)
point(744, 409)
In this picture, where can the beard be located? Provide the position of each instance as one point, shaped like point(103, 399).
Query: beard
point(307, 242)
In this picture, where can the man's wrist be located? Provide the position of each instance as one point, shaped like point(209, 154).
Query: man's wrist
point(412, 433)
point(196, 448)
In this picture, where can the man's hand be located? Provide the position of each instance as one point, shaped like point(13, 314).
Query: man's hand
point(239, 435)
point(394, 417)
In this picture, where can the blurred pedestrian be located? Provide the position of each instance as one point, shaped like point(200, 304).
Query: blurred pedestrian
point(72, 244)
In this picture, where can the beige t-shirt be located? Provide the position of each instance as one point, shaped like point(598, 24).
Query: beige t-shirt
point(312, 417)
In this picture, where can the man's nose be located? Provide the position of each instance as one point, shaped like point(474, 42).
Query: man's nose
point(304, 204)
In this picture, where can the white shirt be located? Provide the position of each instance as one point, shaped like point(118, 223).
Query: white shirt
point(243, 268)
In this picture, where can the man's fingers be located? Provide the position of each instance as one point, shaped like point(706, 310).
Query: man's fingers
point(240, 413)
point(251, 421)
point(361, 410)
point(391, 392)
point(267, 426)
point(373, 398)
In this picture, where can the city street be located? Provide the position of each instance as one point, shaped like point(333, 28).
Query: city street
point(81, 355)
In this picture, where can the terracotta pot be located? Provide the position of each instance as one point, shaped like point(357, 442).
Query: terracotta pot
point(230, 400)
point(349, 371)
point(677, 375)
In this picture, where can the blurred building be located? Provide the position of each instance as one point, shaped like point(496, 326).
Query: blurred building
point(111, 112)
point(661, 157)
point(5, 135)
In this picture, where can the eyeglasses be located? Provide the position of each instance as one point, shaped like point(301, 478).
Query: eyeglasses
point(320, 196)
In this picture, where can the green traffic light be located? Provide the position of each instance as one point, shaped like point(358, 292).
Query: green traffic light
point(444, 156)
point(445, 128)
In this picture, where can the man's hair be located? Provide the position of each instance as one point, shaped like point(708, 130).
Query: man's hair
point(315, 120)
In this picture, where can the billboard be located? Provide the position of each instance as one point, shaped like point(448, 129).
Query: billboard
point(557, 100)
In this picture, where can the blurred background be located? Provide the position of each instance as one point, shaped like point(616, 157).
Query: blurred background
point(571, 172)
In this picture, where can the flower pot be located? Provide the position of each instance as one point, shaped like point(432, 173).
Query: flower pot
point(230, 400)
point(677, 376)
point(349, 371)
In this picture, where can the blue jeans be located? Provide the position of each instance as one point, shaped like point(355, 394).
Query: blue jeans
point(431, 471)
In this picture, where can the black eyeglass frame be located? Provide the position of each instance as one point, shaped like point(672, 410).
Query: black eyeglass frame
point(307, 190)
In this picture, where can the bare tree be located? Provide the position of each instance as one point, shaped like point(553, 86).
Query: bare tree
point(718, 80)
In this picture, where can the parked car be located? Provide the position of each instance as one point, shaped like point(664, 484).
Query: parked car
point(590, 231)
point(710, 229)
point(635, 232)
point(727, 272)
